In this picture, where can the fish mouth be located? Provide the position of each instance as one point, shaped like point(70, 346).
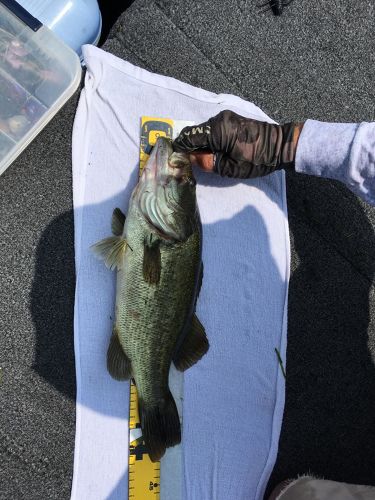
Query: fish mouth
point(159, 156)
point(180, 166)
point(165, 194)
point(164, 164)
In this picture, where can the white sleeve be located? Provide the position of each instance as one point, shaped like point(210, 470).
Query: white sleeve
point(341, 151)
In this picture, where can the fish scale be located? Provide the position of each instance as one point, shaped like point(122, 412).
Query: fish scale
point(157, 252)
point(149, 338)
point(158, 257)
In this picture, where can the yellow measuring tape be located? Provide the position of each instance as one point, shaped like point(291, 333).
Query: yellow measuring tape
point(151, 129)
point(144, 475)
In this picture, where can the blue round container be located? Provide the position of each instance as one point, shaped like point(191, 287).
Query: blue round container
point(76, 22)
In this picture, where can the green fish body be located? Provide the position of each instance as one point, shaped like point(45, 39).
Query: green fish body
point(157, 252)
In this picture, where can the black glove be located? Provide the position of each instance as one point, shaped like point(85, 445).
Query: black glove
point(243, 147)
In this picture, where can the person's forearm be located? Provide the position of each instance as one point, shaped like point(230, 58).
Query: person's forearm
point(342, 151)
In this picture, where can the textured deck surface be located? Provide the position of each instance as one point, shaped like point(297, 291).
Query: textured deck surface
point(315, 61)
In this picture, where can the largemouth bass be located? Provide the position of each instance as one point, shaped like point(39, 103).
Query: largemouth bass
point(156, 250)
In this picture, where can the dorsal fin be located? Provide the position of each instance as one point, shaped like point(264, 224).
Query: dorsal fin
point(118, 221)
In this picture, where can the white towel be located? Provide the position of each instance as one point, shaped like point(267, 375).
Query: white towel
point(233, 398)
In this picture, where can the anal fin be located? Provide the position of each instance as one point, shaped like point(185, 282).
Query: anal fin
point(200, 281)
point(193, 348)
point(118, 364)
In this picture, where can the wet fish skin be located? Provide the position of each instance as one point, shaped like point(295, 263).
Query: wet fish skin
point(158, 257)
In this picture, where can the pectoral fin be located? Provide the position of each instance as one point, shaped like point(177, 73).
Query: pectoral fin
point(118, 364)
point(118, 221)
point(193, 348)
point(112, 251)
point(152, 262)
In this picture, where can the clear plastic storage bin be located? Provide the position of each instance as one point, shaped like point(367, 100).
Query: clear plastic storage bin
point(38, 74)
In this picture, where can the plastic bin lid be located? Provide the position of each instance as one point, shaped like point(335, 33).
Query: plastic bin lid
point(38, 74)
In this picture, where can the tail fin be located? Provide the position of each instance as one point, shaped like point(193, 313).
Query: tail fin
point(160, 426)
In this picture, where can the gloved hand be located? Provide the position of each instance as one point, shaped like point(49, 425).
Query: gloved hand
point(234, 146)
